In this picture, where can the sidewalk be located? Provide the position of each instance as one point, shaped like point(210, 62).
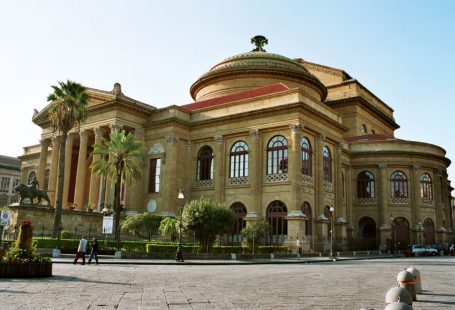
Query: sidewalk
point(111, 260)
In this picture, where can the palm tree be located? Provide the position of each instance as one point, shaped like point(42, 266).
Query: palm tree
point(118, 155)
point(68, 109)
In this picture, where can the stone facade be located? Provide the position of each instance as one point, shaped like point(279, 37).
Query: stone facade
point(275, 139)
point(10, 175)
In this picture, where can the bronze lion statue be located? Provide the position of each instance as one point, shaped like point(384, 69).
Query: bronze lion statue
point(28, 191)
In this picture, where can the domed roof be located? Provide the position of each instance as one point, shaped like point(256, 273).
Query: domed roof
point(260, 64)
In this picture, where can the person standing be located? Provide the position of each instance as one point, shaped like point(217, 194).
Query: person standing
point(94, 251)
point(81, 250)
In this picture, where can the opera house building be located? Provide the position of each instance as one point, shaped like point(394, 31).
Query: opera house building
point(297, 144)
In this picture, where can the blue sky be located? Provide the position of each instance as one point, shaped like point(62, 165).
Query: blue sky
point(401, 50)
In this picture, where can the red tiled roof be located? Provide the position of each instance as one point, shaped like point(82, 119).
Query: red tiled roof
point(247, 94)
point(371, 137)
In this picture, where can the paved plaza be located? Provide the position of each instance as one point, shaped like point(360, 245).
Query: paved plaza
point(347, 284)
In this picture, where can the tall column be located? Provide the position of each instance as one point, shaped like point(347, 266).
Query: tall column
point(54, 170)
point(383, 210)
point(415, 202)
point(42, 162)
point(170, 183)
point(385, 228)
point(133, 199)
point(295, 166)
point(340, 208)
point(94, 180)
point(438, 199)
point(109, 186)
point(319, 180)
point(68, 159)
point(79, 192)
point(219, 168)
point(254, 175)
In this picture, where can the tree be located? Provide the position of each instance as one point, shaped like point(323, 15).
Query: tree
point(68, 109)
point(169, 226)
point(207, 219)
point(254, 234)
point(142, 225)
point(117, 162)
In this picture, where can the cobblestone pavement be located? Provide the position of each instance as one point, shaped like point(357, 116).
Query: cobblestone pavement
point(352, 284)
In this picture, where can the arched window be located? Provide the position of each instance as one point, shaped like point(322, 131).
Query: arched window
point(327, 164)
point(426, 187)
point(205, 163)
point(240, 212)
point(46, 178)
point(239, 160)
point(365, 185)
point(306, 156)
point(277, 155)
point(306, 209)
point(31, 176)
point(276, 213)
point(398, 185)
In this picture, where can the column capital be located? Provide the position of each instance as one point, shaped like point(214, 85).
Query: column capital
point(320, 138)
point(56, 140)
point(138, 133)
point(83, 134)
point(171, 139)
point(255, 134)
point(296, 127)
point(339, 146)
point(218, 138)
point(116, 126)
point(382, 166)
point(415, 167)
point(69, 139)
point(99, 131)
point(44, 142)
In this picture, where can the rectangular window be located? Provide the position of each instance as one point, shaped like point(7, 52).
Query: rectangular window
point(154, 175)
point(4, 184)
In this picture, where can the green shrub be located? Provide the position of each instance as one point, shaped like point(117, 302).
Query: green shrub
point(67, 234)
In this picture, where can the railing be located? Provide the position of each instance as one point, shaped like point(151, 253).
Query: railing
point(279, 177)
point(238, 181)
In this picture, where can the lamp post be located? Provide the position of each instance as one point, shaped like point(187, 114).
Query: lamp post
point(179, 254)
point(332, 209)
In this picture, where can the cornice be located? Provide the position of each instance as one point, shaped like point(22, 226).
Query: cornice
point(230, 74)
point(366, 104)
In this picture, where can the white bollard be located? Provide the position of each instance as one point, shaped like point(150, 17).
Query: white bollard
point(417, 279)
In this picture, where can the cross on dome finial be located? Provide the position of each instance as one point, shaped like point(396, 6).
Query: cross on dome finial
point(259, 41)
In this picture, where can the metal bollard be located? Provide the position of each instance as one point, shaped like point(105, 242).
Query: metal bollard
point(417, 279)
point(398, 306)
point(406, 280)
point(398, 294)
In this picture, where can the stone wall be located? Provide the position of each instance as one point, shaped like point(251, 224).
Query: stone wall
point(42, 218)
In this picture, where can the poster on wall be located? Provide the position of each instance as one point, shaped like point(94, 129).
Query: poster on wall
point(108, 222)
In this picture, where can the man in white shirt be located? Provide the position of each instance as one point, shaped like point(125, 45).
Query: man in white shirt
point(81, 250)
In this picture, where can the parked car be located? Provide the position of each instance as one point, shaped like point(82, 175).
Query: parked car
point(443, 248)
point(423, 250)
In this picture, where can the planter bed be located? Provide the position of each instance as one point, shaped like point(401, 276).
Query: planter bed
point(25, 270)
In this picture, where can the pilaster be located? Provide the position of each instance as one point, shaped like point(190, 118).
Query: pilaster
point(295, 166)
point(219, 168)
point(254, 175)
point(56, 141)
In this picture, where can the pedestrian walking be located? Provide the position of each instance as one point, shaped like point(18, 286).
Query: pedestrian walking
point(94, 251)
point(81, 250)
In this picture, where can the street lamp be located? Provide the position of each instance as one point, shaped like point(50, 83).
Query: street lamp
point(331, 210)
point(179, 254)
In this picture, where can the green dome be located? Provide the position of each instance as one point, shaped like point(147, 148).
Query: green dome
point(258, 64)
